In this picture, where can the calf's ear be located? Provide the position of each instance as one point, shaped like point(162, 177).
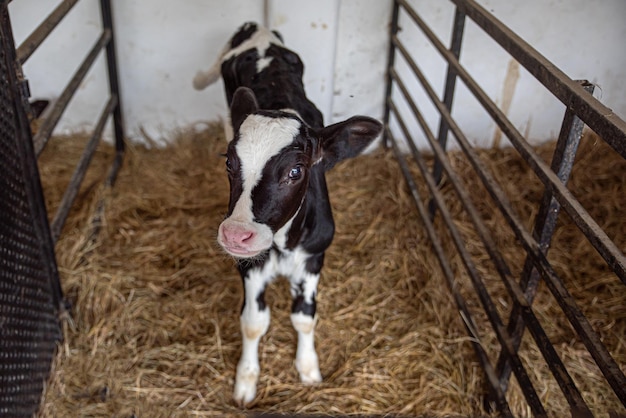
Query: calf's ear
point(347, 139)
point(243, 104)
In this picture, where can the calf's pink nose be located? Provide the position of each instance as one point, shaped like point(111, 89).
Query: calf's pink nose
point(236, 234)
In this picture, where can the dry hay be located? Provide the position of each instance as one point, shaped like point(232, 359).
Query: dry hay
point(155, 302)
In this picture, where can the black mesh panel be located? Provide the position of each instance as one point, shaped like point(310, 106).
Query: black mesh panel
point(29, 290)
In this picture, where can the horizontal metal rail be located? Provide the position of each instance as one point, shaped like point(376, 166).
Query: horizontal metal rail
point(36, 38)
point(47, 126)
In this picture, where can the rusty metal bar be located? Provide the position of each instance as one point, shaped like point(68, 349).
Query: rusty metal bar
point(545, 224)
point(79, 172)
point(111, 56)
point(43, 135)
point(393, 30)
point(36, 38)
point(448, 95)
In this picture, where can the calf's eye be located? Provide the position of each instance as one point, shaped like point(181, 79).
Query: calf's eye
point(295, 173)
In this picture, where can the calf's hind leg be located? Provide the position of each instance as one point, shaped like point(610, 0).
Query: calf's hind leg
point(303, 318)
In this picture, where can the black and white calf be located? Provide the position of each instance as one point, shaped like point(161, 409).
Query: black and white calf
point(279, 218)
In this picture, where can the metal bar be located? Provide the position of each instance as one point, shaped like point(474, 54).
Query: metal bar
point(118, 120)
point(79, 172)
point(115, 168)
point(594, 233)
point(609, 126)
point(545, 224)
point(448, 94)
point(36, 38)
point(43, 135)
point(393, 30)
point(266, 13)
point(590, 338)
point(469, 323)
point(96, 219)
point(552, 359)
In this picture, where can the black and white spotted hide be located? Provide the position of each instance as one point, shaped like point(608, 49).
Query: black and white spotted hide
point(279, 219)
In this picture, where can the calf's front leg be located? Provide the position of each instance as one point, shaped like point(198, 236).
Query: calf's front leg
point(303, 319)
point(255, 320)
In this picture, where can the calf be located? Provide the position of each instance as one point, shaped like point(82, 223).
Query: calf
point(279, 219)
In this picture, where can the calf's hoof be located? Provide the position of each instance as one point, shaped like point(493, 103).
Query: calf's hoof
point(245, 385)
point(309, 370)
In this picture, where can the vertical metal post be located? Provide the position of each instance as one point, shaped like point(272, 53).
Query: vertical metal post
point(266, 13)
point(390, 62)
point(448, 96)
point(118, 121)
point(545, 224)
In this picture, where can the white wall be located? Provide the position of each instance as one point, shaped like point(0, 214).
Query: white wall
point(161, 44)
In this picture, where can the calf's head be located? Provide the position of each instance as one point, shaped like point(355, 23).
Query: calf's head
point(270, 162)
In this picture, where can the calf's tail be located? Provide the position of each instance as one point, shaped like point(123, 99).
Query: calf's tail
point(203, 79)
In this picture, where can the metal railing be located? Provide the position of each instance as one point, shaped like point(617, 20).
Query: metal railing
point(112, 106)
point(582, 108)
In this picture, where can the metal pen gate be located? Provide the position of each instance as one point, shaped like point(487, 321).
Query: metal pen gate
point(30, 293)
point(581, 108)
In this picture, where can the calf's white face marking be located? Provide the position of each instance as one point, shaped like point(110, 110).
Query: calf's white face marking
point(260, 139)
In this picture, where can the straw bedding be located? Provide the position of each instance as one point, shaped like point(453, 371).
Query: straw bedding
point(154, 329)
